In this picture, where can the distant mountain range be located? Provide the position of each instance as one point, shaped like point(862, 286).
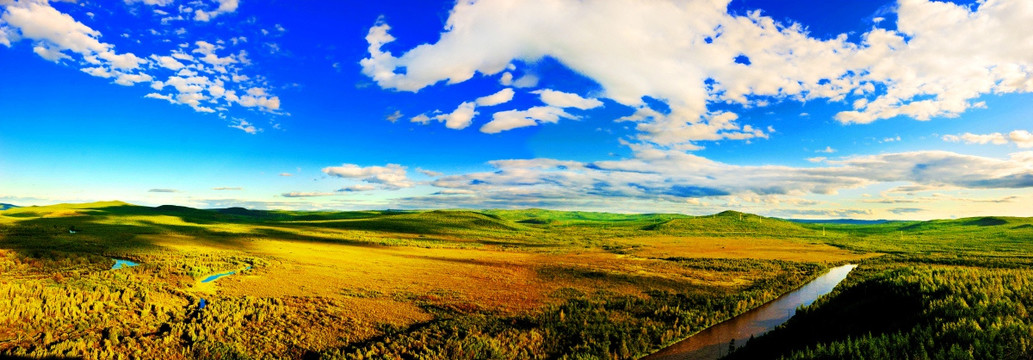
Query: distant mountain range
point(842, 221)
point(7, 206)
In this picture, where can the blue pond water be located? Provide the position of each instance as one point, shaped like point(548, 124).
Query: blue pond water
point(119, 263)
point(217, 276)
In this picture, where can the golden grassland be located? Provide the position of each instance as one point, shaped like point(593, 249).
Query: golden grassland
point(354, 285)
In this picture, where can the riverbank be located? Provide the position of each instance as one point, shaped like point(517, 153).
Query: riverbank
point(717, 340)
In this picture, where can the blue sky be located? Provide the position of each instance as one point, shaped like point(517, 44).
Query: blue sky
point(809, 109)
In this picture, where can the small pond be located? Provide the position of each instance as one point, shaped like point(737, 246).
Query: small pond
point(119, 263)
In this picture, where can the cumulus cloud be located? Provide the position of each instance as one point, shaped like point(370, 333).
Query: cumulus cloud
point(458, 119)
point(391, 176)
point(1021, 138)
point(224, 7)
point(512, 119)
point(54, 33)
point(168, 62)
point(566, 100)
point(556, 101)
point(211, 79)
point(162, 190)
point(941, 58)
point(501, 97)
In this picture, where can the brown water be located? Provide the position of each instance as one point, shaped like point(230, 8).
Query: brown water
point(712, 343)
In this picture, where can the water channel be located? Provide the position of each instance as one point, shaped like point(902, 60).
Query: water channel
point(712, 343)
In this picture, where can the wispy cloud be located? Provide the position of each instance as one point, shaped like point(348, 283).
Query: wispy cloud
point(1021, 138)
point(306, 194)
point(391, 176)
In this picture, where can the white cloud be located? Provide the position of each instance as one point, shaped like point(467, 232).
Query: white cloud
point(40, 22)
point(566, 100)
point(245, 126)
point(58, 37)
point(512, 119)
point(168, 62)
point(506, 79)
point(151, 2)
point(5, 35)
point(225, 6)
point(126, 61)
point(394, 116)
point(420, 119)
point(970, 138)
point(357, 188)
point(429, 173)
point(49, 53)
point(161, 96)
point(132, 79)
point(98, 72)
point(942, 57)
point(1021, 138)
point(392, 176)
point(526, 81)
point(672, 176)
point(501, 97)
point(306, 194)
point(827, 150)
point(460, 118)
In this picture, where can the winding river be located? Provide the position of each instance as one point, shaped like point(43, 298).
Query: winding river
point(217, 276)
point(712, 343)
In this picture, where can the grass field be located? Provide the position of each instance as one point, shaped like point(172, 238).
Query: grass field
point(437, 284)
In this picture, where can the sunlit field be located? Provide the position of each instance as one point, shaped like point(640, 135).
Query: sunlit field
point(436, 284)
point(339, 283)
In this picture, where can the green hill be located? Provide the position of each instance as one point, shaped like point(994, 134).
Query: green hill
point(427, 222)
point(732, 223)
point(581, 218)
point(58, 210)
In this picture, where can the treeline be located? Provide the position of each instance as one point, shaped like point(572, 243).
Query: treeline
point(896, 308)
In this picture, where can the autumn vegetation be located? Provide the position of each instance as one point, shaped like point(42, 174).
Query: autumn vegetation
point(513, 284)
